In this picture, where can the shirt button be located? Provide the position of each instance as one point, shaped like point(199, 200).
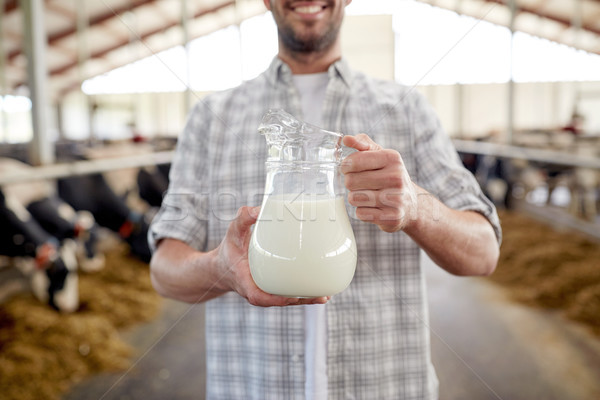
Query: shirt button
point(295, 358)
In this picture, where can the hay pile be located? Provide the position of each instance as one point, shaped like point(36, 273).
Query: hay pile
point(43, 352)
point(550, 269)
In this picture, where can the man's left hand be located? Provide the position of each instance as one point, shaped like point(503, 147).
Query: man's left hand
point(379, 185)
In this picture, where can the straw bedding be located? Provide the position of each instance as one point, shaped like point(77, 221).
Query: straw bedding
point(551, 269)
point(43, 352)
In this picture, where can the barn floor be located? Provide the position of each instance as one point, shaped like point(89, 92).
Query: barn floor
point(484, 345)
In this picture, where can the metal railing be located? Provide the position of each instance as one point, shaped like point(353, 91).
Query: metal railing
point(554, 157)
point(61, 170)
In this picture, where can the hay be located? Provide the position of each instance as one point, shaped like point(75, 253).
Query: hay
point(546, 268)
point(43, 352)
point(587, 307)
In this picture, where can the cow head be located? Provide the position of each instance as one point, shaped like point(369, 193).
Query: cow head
point(89, 258)
point(55, 279)
point(135, 232)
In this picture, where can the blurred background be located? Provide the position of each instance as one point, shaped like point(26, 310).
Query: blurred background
point(93, 95)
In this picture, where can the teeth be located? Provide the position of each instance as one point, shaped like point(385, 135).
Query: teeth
point(308, 9)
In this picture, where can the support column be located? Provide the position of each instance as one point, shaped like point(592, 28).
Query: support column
point(459, 98)
point(41, 150)
point(83, 55)
point(577, 23)
point(510, 125)
point(3, 88)
point(185, 39)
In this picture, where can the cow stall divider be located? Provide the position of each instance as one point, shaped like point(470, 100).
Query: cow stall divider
point(87, 167)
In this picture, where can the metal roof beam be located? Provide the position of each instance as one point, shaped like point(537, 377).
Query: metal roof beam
point(103, 52)
point(551, 17)
point(95, 20)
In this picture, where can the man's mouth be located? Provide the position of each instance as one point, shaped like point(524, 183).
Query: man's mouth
point(308, 8)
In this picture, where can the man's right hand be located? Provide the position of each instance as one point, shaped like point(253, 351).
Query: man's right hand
point(232, 264)
point(180, 272)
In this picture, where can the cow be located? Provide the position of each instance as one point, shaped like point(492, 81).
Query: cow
point(54, 215)
point(124, 199)
point(152, 184)
point(93, 193)
point(50, 263)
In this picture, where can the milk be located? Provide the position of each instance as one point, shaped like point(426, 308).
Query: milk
point(302, 246)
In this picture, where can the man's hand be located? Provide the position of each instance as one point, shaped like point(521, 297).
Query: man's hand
point(379, 185)
point(180, 272)
point(233, 269)
point(461, 242)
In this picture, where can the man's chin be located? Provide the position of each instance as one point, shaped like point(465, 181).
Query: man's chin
point(308, 42)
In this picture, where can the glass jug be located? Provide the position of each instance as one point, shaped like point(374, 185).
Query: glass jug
point(302, 244)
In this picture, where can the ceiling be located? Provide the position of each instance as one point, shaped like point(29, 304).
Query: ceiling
point(113, 33)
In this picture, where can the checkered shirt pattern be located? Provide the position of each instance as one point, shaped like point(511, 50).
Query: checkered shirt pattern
point(378, 337)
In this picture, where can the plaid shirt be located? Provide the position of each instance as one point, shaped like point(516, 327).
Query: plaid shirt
point(378, 336)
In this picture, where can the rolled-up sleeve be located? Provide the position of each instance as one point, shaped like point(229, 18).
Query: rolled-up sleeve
point(183, 212)
point(440, 170)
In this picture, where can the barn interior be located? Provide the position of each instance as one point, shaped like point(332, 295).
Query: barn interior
point(93, 97)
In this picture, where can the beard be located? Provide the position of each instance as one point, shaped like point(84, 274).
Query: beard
point(296, 42)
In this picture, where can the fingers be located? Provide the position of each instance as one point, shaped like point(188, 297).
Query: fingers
point(388, 178)
point(361, 142)
point(388, 208)
point(387, 219)
point(370, 160)
point(258, 297)
point(378, 198)
point(263, 299)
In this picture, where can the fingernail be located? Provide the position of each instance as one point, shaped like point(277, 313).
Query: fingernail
point(254, 211)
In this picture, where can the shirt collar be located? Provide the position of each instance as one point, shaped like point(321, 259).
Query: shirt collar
point(279, 71)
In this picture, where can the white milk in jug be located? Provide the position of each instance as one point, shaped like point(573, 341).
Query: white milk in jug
point(302, 246)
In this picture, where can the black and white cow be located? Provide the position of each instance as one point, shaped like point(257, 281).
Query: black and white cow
point(54, 215)
point(50, 263)
point(152, 184)
point(93, 193)
point(57, 217)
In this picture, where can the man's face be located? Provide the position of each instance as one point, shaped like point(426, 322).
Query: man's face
point(307, 26)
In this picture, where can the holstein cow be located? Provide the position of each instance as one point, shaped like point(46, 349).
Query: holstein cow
point(152, 184)
point(122, 200)
point(54, 215)
point(92, 193)
point(51, 264)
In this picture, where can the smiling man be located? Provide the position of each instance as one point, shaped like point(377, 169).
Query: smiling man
point(410, 191)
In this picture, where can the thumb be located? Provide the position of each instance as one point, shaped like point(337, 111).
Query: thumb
point(361, 142)
point(239, 229)
point(246, 217)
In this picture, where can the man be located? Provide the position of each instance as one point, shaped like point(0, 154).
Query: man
point(371, 341)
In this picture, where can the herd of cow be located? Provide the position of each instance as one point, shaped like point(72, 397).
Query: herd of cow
point(49, 230)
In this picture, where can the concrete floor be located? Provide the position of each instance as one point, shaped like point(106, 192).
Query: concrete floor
point(484, 347)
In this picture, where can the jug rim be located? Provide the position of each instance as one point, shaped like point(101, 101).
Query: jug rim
point(292, 120)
